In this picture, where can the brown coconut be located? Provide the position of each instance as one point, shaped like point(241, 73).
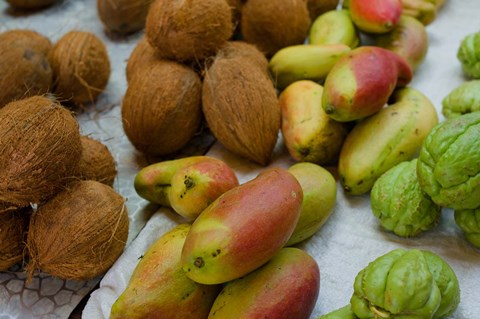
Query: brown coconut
point(123, 16)
point(142, 56)
point(97, 162)
point(188, 30)
point(274, 24)
point(81, 67)
point(31, 4)
point(79, 233)
point(13, 227)
point(161, 110)
point(24, 65)
point(241, 108)
point(39, 149)
point(236, 49)
point(318, 7)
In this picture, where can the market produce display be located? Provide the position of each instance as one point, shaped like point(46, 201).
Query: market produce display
point(210, 159)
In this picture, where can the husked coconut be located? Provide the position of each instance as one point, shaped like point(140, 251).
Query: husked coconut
point(31, 4)
point(13, 226)
point(142, 56)
point(97, 162)
point(123, 16)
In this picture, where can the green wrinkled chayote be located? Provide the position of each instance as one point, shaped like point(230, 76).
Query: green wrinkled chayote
point(462, 100)
point(405, 284)
point(469, 55)
point(400, 204)
point(469, 222)
point(342, 313)
point(448, 168)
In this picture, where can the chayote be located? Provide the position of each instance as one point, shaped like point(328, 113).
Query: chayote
point(448, 167)
point(469, 222)
point(462, 100)
point(469, 55)
point(405, 284)
point(341, 313)
point(400, 204)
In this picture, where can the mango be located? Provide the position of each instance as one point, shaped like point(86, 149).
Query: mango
point(243, 228)
point(188, 185)
point(196, 186)
point(158, 287)
point(319, 195)
point(334, 27)
point(409, 39)
point(361, 82)
point(378, 143)
point(286, 287)
point(425, 11)
point(304, 62)
point(374, 16)
point(309, 134)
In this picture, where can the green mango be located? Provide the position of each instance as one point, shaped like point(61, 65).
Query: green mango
point(334, 27)
point(243, 228)
point(287, 286)
point(158, 287)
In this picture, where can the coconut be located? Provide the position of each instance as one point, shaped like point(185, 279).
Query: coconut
point(97, 162)
point(188, 30)
point(81, 67)
point(236, 49)
point(161, 110)
point(236, 7)
point(318, 7)
point(275, 24)
point(13, 226)
point(24, 66)
point(142, 56)
point(39, 149)
point(31, 4)
point(79, 233)
point(241, 108)
point(123, 16)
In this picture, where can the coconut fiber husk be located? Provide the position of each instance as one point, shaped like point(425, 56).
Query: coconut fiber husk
point(97, 162)
point(31, 4)
point(81, 67)
point(24, 66)
point(188, 30)
point(39, 149)
point(241, 108)
point(123, 16)
point(275, 24)
point(318, 7)
point(161, 110)
point(13, 227)
point(142, 56)
point(79, 233)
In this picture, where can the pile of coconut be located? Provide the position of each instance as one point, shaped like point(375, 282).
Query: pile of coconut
point(204, 63)
point(59, 212)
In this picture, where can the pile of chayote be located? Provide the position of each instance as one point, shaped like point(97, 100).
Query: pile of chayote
point(403, 284)
point(469, 55)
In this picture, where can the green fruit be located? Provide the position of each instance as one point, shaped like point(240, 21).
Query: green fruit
point(469, 55)
point(287, 286)
point(448, 168)
point(342, 313)
point(319, 194)
point(399, 203)
point(469, 222)
point(462, 100)
point(159, 288)
point(334, 27)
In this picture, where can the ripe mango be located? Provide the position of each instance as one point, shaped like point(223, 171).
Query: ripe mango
point(309, 134)
point(319, 194)
point(361, 82)
point(393, 135)
point(286, 287)
point(159, 288)
point(243, 228)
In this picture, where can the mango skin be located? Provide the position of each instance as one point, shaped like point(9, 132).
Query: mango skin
point(305, 62)
point(195, 187)
point(243, 228)
point(375, 16)
point(425, 11)
point(334, 27)
point(160, 289)
point(309, 134)
point(286, 287)
point(319, 197)
point(409, 39)
point(393, 135)
point(153, 181)
point(361, 82)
